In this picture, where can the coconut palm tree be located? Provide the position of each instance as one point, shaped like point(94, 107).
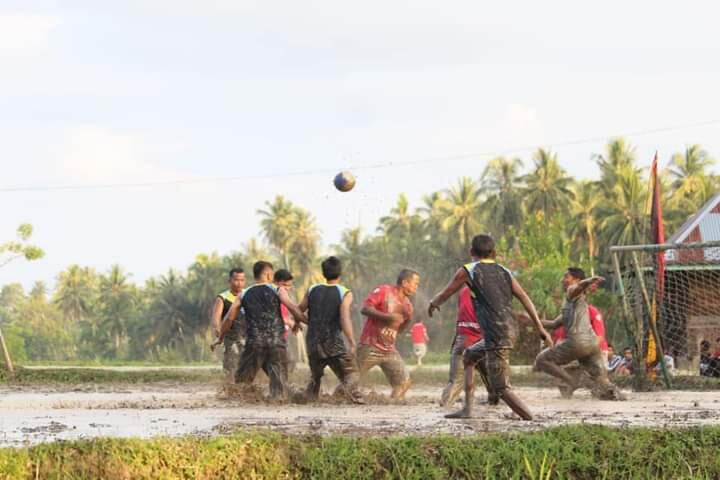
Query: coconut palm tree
point(276, 222)
point(547, 187)
point(117, 308)
point(304, 245)
point(462, 210)
point(501, 184)
point(76, 293)
point(624, 216)
point(584, 217)
point(688, 172)
point(619, 159)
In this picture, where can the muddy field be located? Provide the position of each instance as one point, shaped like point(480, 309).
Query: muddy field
point(30, 415)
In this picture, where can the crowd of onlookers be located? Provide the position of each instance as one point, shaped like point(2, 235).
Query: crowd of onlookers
point(622, 365)
point(710, 362)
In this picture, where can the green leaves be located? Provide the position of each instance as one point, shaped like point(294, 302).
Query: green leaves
point(13, 250)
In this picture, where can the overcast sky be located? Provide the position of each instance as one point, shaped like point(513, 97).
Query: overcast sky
point(97, 92)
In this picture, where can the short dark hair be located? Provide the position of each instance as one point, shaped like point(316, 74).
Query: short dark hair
point(482, 246)
point(283, 275)
point(576, 272)
point(260, 267)
point(406, 274)
point(626, 349)
point(234, 271)
point(331, 268)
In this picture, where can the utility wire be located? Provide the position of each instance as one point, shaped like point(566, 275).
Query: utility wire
point(465, 156)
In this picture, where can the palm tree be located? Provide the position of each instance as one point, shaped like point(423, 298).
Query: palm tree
point(117, 307)
point(277, 221)
point(689, 174)
point(624, 216)
point(547, 187)
point(206, 277)
point(76, 293)
point(355, 256)
point(462, 210)
point(501, 184)
point(304, 244)
point(584, 217)
point(618, 160)
point(398, 222)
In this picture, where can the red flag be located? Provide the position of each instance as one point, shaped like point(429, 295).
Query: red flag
point(657, 230)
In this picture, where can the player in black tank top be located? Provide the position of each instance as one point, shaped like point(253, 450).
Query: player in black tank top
point(494, 288)
point(265, 345)
point(232, 341)
point(328, 308)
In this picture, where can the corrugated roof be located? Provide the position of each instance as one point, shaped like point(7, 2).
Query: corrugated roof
point(684, 231)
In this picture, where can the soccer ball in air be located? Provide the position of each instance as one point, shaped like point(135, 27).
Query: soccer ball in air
point(344, 181)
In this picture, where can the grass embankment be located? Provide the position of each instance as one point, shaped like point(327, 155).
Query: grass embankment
point(579, 452)
point(421, 376)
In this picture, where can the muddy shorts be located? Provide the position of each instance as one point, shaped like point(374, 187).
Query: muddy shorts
point(391, 363)
point(587, 354)
point(343, 366)
point(496, 363)
point(272, 359)
point(231, 355)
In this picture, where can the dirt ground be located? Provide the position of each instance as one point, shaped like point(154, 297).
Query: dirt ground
point(31, 415)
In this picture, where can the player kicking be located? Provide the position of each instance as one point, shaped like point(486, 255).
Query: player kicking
point(581, 343)
point(493, 287)
point(265, 345)
point(328, 308)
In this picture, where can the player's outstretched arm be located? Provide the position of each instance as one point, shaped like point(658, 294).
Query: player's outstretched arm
point(346, 321)
point(216, 316)
point(455, 284)
point(552, 324)
point(230, 317)
point(523, 297)
point(295, 311)
point(578, 289)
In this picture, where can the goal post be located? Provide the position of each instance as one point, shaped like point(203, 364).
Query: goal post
point(670, 297)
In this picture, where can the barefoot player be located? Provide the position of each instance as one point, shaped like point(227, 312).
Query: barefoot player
point(388, 311)
point(232, 342)
point(581, 343)
point(494, 288)
point(265, 345)
point(328, 309)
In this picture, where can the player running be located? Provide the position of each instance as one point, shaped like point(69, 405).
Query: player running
point(494, 288)
point(388, 311)
point(328, 309)
point(265, 345)
point(581, 343)
point(233, 340)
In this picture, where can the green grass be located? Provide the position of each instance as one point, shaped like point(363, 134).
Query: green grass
point(78, 376)
point(577, 452)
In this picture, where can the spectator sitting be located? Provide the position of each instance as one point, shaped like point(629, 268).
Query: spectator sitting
point(626, 366)
point(614, 360)
point(709, 365)
point(669, 364)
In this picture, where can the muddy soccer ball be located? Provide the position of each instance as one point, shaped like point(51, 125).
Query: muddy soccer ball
point(344, 181)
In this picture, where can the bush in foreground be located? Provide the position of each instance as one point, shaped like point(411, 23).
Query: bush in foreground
point(578, 452)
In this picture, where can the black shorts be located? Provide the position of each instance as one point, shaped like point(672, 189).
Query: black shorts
point(271, 358)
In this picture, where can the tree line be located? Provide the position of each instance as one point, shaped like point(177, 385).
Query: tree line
point(543, 219)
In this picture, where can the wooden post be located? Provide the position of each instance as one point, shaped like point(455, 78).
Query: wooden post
point(653, 325)
point(6, 354)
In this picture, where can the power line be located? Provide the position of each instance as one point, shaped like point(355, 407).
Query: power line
point(450, 158)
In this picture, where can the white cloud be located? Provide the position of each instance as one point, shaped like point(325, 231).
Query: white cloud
point(21, 34)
